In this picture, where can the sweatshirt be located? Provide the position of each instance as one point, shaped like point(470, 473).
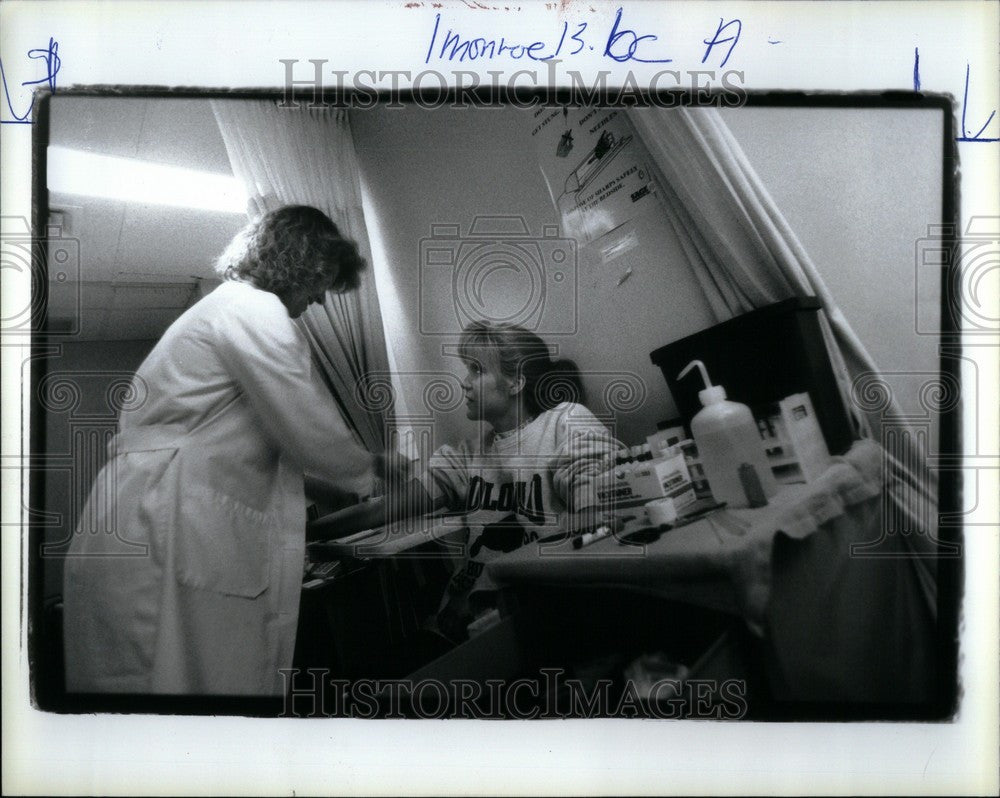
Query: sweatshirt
point(513, 488)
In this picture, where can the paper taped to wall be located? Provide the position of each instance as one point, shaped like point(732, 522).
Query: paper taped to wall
point(596, 169)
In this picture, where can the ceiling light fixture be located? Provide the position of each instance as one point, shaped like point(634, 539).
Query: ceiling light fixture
point(91, 174)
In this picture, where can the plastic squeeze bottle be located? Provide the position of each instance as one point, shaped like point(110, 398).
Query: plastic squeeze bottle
point(727, 438)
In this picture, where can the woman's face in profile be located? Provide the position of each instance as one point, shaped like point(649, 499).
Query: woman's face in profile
point(487, 394)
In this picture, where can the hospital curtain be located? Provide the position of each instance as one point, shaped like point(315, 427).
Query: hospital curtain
point(744, 255)
point(306, 156)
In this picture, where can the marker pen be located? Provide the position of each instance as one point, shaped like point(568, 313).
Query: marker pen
point(592, 537)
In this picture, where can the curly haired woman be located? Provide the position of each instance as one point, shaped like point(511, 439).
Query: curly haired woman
point(206, 478)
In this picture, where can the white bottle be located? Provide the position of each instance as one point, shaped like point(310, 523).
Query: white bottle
point(727, 437)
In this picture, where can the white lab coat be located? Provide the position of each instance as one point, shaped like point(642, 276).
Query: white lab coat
point(208, 474)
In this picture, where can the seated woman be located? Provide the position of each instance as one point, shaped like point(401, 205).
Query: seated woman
point(534, 459)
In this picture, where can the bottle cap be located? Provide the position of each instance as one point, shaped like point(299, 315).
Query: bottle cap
point(711, 395)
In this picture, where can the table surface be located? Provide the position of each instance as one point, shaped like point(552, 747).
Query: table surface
point(721, 561)
point(400, 538)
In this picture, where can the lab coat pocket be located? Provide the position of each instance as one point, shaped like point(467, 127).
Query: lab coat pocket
point(223, 545)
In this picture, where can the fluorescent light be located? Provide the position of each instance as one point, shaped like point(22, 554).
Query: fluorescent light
point(128, 180)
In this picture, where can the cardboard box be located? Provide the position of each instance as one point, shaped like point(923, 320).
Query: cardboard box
point(668, 476)
point(803, 433)
point(614, 486)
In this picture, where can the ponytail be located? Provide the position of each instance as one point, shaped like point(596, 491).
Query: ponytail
point(551, 383)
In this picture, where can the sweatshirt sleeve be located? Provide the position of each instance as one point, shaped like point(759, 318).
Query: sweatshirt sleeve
point(447, 475)
point(584, 450)
point(269, 360)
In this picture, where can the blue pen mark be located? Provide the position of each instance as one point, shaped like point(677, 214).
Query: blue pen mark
point(453, 46)
point(716, 40)
point(430, 46)
point(632, 46)
point(52, 60)
point(622, 44)
point(17, 120)
point(558, 49)
point(53, 64)
point(916, 69)
point(965, 131)
point(769, 41)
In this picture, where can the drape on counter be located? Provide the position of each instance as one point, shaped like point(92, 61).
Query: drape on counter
point(306, 156)
point(745, 255)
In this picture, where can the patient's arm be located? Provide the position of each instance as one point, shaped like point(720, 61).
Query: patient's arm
point(412, 500)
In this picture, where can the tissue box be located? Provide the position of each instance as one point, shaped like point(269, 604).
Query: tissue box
point(802, 431)
point(667, 476)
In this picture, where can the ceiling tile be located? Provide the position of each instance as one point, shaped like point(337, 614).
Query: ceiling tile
point(182, 132)
point(194, 141)
point(159, 240)
point(108, 125)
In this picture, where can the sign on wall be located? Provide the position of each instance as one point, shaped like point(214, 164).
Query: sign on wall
point(595, 166)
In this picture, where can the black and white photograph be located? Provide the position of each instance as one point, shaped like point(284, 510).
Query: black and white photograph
point(652, 469)
point(591, 405)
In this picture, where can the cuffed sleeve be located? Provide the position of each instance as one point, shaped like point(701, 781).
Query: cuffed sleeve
point(585, 449)
point(447, 475)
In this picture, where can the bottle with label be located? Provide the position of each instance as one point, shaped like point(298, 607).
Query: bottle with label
point(728, 438)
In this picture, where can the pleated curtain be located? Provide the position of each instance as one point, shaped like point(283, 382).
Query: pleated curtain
point(306, 156)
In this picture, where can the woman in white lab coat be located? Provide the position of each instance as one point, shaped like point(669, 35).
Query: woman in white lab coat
point(207, 477)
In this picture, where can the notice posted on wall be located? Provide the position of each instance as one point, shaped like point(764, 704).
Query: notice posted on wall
point(595, 166)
